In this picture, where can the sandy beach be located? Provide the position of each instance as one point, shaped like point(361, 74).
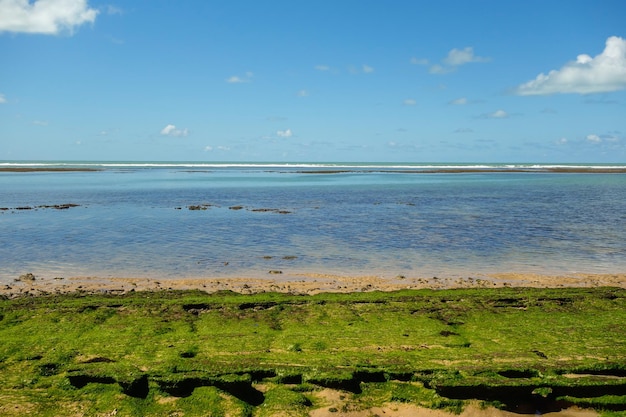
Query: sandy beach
point(310, 283)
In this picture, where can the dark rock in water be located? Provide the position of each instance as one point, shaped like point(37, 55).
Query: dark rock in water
point(26, 277)
point(235, 207)
point(61, 206)
point(275, 271)
point(203, 206)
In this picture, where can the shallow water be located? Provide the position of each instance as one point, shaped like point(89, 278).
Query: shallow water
point(135, 221)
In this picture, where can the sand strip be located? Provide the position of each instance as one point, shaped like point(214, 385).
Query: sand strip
point(310, 283)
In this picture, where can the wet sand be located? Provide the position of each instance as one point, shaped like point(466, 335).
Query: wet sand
point(310, 283)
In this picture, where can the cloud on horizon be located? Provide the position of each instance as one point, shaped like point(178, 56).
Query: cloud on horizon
point(2, 99)
point(220, 148)
point(285, 133)
point(46, 17)
point(593, 138)
point(171, 130)
point(604, 73)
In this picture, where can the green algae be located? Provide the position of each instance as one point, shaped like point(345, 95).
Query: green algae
point(192, 353)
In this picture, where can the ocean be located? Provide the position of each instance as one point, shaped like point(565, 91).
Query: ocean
point(194, 220)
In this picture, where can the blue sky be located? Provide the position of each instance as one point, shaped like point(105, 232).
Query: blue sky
point(355, 81)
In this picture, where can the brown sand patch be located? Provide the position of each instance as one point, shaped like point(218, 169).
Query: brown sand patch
point(409, 410)
point(339, 403)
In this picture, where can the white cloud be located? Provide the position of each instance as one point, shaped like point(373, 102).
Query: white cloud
point(419, 61)
point(438, 69)
point(2, 99)
point(171, 130)
point(367, 69)
point(454, 59)
point(116, 41)
point(409, 102)
point(498, 114)
point(40, 123)
point(594, 138)
point(221, 148)
point(604, 73)
point(113, 10)
point(302, 93)
point(459, 101)
point(49, 17)
point(561, 141)
point(285, 133)
point(235, 79)
point(322, 67)
point(463, 56)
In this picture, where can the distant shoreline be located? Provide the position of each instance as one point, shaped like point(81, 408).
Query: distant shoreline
point(468, 170)
point(472, 170)
point(47, 169)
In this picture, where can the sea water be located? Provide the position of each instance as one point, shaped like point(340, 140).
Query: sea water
point(182, 220)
